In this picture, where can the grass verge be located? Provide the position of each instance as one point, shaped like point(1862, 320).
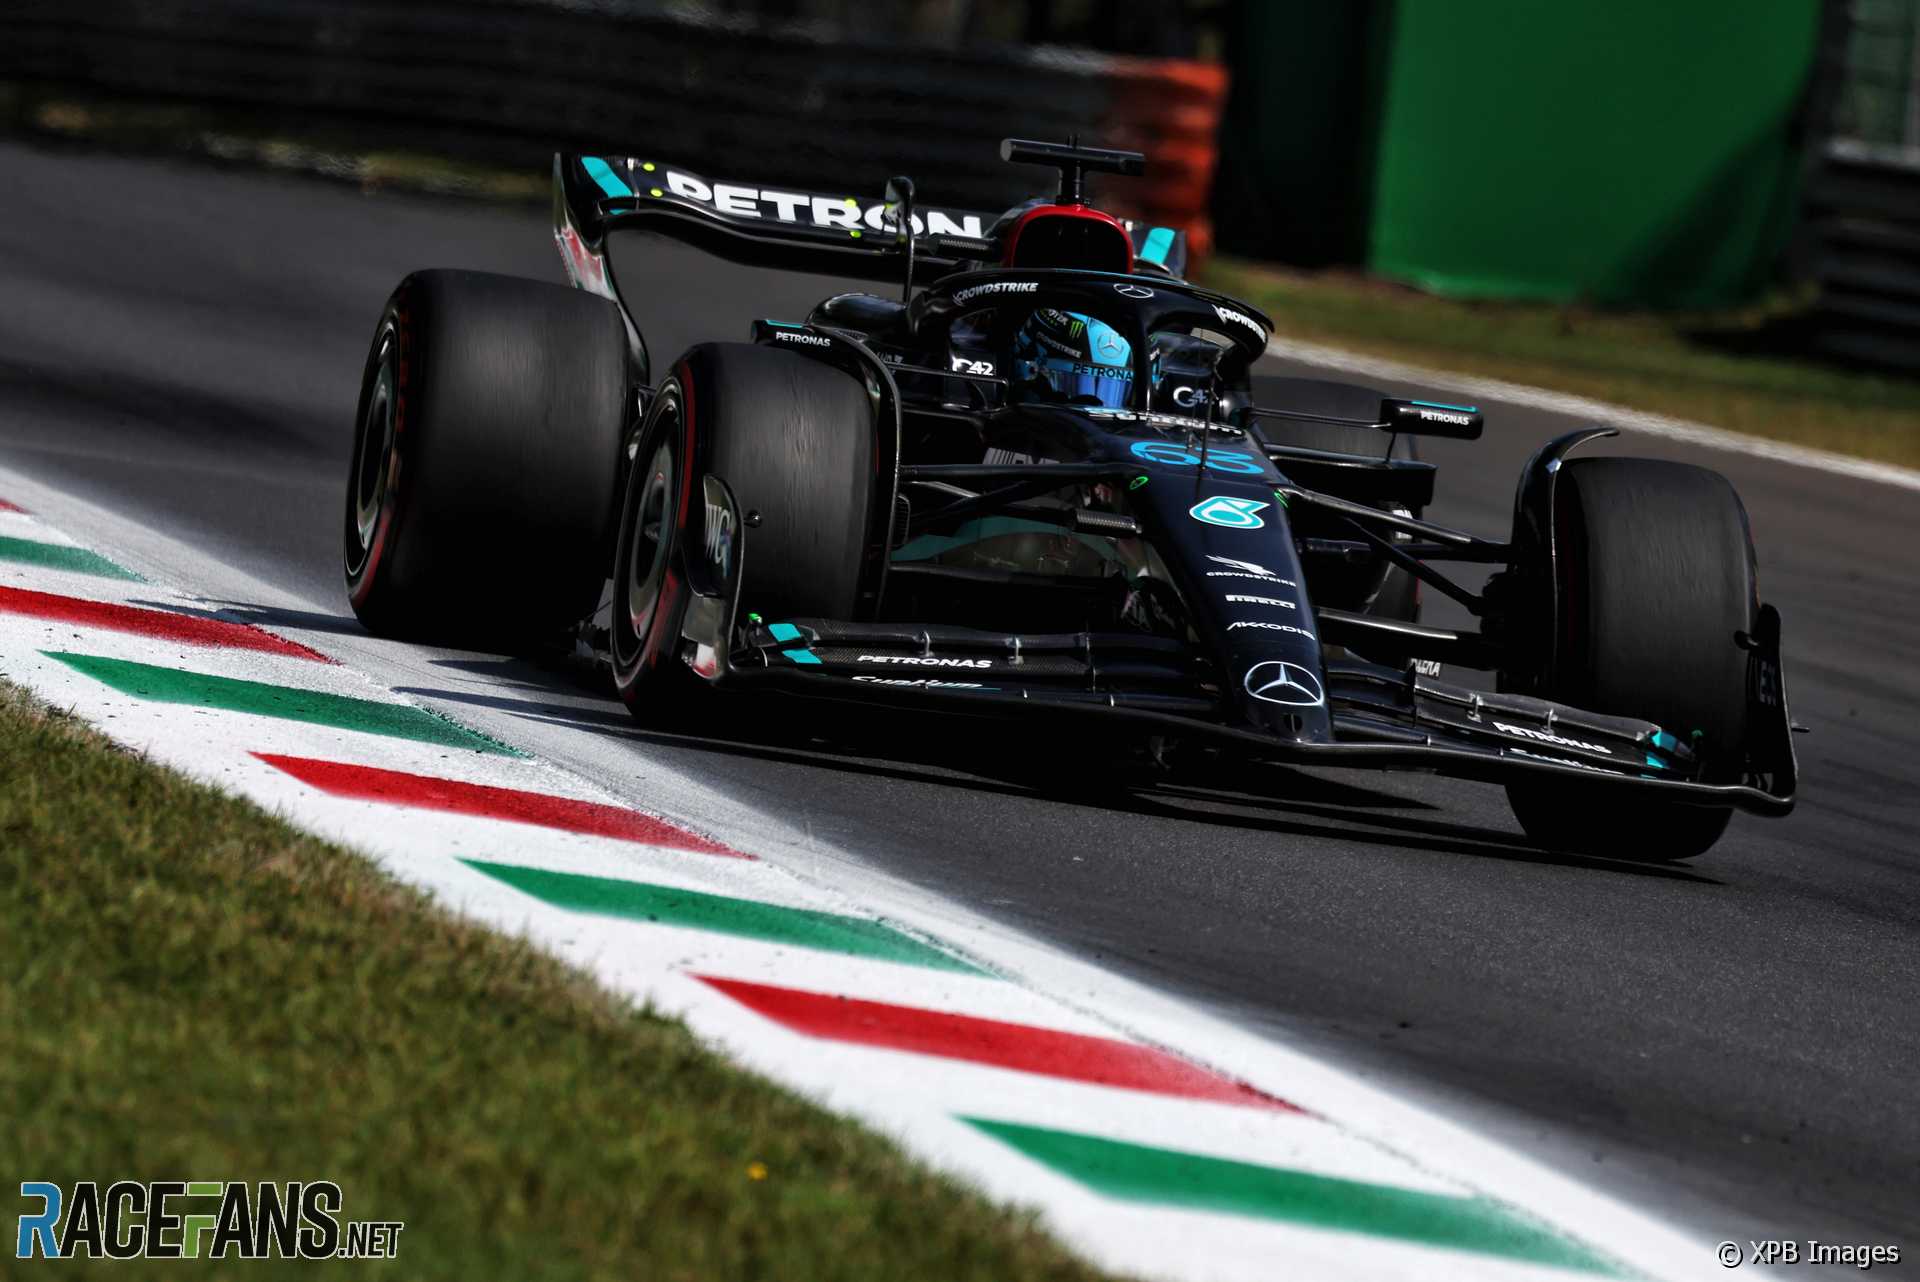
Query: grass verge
point(1716, 369)
point(196, 990)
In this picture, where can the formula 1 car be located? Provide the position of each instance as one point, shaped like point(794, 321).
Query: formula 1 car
point(1036, 483)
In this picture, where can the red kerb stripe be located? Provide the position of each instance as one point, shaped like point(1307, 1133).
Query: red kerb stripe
point(1023, 1047)
point(188, 629)
point(367, 783)
point(10, 507)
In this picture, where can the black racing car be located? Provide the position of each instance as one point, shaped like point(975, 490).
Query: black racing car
point(1035, 481)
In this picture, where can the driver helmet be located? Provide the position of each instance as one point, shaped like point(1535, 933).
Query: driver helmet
point(1081, 360)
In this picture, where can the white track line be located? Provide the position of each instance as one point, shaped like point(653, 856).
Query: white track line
point(1679, 430)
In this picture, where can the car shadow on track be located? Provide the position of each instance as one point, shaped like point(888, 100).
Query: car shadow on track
point(978, 755)
point(1409, 833)
point(268, 616)
point(981, 757)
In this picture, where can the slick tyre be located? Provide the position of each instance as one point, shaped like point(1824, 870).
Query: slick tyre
point(486, 443)
point(1655, 570)
point(795, 442)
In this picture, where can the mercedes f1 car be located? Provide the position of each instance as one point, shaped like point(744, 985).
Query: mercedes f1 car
point(1032, 479)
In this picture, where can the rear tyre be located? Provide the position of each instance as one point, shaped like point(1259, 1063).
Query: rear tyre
point(1656, 577)
point(486, 445)
point(794, 441)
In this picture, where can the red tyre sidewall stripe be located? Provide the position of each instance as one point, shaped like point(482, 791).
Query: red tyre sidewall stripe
point(656, 648)
point(386, 525)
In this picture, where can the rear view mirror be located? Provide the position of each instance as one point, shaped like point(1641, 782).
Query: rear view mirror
point(1432, 418)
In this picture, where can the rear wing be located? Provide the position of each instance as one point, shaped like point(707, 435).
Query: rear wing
point(829, 233)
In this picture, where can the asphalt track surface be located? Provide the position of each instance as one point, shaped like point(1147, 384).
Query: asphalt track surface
point(1733, 1043)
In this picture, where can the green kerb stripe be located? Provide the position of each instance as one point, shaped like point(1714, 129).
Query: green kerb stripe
point(61, 556)
point(171, 685)
point(643, 901)
point(1137, 1173)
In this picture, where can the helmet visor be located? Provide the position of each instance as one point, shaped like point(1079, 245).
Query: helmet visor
point(1081, 383)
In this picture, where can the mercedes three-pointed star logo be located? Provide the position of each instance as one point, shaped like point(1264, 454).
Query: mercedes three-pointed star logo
point(1277, 681)
point(1133, 291)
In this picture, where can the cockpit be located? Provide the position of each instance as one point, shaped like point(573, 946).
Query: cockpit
point(1051, 355)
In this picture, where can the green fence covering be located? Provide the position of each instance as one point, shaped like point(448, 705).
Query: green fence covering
point(1632, 151)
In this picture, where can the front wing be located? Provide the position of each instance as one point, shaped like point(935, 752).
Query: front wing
point(1381, 717)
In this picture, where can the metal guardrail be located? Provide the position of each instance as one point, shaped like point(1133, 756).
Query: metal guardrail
point(511, 81)
point(1860, 232)
point(1878, 99)
point(1863, 232)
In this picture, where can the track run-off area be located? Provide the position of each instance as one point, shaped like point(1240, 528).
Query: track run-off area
point(1348, 1020)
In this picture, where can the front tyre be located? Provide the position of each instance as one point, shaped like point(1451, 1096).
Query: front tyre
point(1655, 581)
point(795, 442)
point(649, 575)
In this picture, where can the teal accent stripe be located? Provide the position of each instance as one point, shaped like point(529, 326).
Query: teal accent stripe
point(695, 910)
point(1655, 761)
point(63, 556)
point(784, 324)
point(1442, 405)
point(1167, 1177)
point(1158, 243)
point(601, 172)
point(787, 632)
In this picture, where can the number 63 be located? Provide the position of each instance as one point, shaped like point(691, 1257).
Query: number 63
point(1180, 456)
